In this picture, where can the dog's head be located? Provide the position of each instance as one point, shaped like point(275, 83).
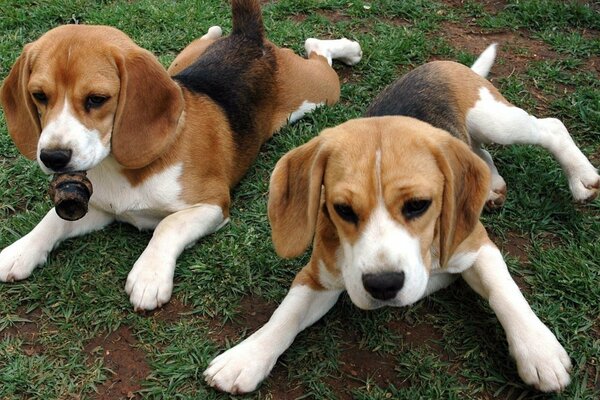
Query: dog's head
point(80, 92)
point(399, 194)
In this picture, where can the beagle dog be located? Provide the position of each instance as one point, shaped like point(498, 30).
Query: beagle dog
point(392, 205)
point(162, 148)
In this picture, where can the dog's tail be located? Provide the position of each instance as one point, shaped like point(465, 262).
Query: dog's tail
point(247, 20)
point(484, 62)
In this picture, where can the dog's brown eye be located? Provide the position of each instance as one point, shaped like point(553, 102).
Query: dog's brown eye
point(346, 213)
point(415, 208)
point(40, 97)
point(95, 101)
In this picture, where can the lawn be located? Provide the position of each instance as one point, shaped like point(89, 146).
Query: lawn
point(69, 331)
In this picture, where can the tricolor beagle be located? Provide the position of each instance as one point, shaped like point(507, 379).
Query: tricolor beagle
point(393, 206)
point(161, 148)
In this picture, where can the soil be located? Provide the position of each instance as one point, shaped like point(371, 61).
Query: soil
point(126, 363)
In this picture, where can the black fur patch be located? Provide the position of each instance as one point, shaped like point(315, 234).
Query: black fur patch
point(423, 95)
point(238, 74)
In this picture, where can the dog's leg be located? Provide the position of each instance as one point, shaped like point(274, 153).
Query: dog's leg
point(497, 194)
point(241, 368)
point(541, 360)
point(439, 281)
point(18, 260)
point(150, 281)
point(214, 32)
point(344, 50)
point(491, 120)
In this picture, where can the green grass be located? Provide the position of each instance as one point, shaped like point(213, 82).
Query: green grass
point(459, 350)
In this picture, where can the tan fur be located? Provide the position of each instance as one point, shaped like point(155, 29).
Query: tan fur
point(417, 161)
point(465, 85)
point(154, 122)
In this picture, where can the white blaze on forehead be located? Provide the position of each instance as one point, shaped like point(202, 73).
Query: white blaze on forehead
point(66, 132)
point(379, 188)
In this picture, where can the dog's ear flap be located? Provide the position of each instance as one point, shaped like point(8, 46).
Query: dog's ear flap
point(295, 195)
point(149, 108)
point(21, 113)
point(466, 188)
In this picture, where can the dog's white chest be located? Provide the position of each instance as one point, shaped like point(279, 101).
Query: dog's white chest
point(143, 205)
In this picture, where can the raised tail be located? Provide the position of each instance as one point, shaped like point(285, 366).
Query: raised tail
point(484, 62)
point(247, 20)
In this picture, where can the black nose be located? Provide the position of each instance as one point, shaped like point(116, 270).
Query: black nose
point(55, 159)
point(383, 286)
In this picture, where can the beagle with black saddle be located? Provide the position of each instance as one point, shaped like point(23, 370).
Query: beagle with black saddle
point(161, 148)
point(392, 206)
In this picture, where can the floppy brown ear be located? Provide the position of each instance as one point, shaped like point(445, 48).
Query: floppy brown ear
point(294, 197)
point(20, 111)
point(150, 105)
point(466, 187)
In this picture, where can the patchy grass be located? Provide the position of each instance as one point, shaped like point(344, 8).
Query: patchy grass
point(69, 331)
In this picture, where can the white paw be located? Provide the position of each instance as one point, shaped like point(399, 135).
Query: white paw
point(18, 260)
point(496, 198)
point(585, 185)
point(351, 53)
point(150, 282)
point(541, 361)
point(214, 32)
point(344, 50)
point(241, 368)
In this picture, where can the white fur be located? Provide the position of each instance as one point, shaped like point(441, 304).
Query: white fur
point(541, 360)
point(304, 109)
point(154, 204)
point(150, 281)
point(484, 62)
point(144, 205)
point(214, 32)
point(492, 121)
point(66, 132)
point(18, 260)
point(344, 50)
point(241, 368)
point(384, 246)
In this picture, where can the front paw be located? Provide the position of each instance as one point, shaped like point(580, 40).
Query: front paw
point(541, 361)
point(150, 283)
point(18, 260)
point(240, 369)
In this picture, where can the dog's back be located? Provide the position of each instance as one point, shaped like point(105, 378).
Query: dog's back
point(434, 93)
point(237, 72)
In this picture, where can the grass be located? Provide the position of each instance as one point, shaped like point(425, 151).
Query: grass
point(449, 345)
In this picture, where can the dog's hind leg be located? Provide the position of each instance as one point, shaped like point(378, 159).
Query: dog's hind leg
point(493, 119)
point(497, 194)
point(344, 50)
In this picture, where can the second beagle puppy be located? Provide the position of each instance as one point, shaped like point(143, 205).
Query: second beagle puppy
point(161, 148)
point(393, 206)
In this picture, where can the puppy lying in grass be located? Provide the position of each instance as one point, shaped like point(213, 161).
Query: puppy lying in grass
point(392, 206)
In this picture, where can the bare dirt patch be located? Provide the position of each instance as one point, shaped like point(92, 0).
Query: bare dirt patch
point(515, 244)
point(516, 50)
point(29, 332)
point(124, 360)
point(173, 311)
